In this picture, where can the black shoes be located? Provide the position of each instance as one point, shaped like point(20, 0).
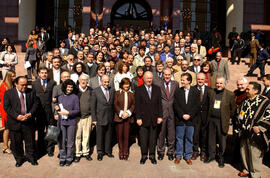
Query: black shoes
point(19, 164)
point(62, 163)
point(68, 163)
point(170, 157)
point(160, 156)
point(153, 160)
point(221, 163)
point(88, 157)
point(208, 160)
point(99, 157)
point(34, 163)
point(50, 154)
point(143, 160)
point(110, 155)
point(77, 159)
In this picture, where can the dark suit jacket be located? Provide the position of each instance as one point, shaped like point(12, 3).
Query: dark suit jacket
point(45, 99)
point(266, 94)
point(191, 108)
point(227, 107)
point(12, 106)
point(204, 105)
point(167, 104)
point(65, 67)
point(73, 51)
point(148, 109)
point(119, 105)
point(67, 43)
point(101, 109)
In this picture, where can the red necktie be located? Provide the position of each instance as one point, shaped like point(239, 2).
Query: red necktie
point(22, 104)
point(167, 91)
point(106, 95)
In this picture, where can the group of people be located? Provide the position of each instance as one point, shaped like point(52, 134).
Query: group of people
point(120, 83)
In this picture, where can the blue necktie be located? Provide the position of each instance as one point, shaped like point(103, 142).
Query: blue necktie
point(149, 92)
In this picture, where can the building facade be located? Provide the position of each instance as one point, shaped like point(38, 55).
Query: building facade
point(19, 17)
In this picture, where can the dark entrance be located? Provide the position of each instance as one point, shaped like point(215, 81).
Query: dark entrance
point(131, 12)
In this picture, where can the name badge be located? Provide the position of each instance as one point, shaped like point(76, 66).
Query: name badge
point(241, 115)
point(217, 104)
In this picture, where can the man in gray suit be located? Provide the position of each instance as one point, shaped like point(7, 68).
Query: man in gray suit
point(102, 116)
point(95, 82)
point(168, 88)
point(219, 67)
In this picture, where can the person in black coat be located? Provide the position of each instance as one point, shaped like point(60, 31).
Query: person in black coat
point(200, 124)
point(20, 120)
point(186, 107)
point(43, 88)
point(148, 109)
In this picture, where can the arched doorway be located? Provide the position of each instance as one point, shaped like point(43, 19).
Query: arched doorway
point(131, 12)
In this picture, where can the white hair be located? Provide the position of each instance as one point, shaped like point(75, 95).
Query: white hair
point(169, 59)
point(242, 79)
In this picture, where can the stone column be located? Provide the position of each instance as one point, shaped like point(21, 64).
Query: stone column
point(107, 7)
point(155, 5)
point(27, 18)
point(176, 15)
point(234, 16)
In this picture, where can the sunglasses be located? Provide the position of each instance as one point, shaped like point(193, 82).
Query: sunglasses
point(196, 59)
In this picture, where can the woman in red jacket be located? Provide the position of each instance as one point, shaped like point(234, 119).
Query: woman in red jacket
point(7, 84)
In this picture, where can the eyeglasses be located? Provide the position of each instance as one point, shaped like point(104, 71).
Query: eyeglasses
point(196, 59)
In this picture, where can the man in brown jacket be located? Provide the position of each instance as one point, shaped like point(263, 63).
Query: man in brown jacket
point(221, 109)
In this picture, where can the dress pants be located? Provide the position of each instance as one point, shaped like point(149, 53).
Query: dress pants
point(27, 134)
point(148, 140)
point(43, 120)
point(237, 53)
point(215, 129)
point(122, 132)
point(261, 65)
point(104, 138)
point(184, 139)
point(167, 129)
point(66, 145)
point(82, 136)
point(252, 157)
point(200, 133)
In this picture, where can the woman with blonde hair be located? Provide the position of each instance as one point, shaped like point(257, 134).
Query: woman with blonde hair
point(7, 84)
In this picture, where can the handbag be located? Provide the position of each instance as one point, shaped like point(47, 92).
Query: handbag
point(53, 133)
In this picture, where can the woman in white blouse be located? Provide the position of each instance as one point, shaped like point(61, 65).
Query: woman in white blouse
point(8, 60)
point(123, 69)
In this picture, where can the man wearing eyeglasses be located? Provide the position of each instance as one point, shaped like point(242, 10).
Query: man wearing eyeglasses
point(196, 67)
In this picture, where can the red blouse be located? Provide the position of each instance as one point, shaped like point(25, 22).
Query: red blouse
point(140, 81)
point(3, 88)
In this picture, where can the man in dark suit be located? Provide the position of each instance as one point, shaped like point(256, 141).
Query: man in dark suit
point(69, 41)
point(200, 129)
point(158, 75)
point(21, 104)
point(168, 88)
point(149, 114)
point(196, 68)
point(221, 109)
point(266, 82)
point(186, 107)
point(43, 88)
point(102, 117)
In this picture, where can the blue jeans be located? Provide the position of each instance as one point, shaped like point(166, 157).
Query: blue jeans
point(184, 132)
